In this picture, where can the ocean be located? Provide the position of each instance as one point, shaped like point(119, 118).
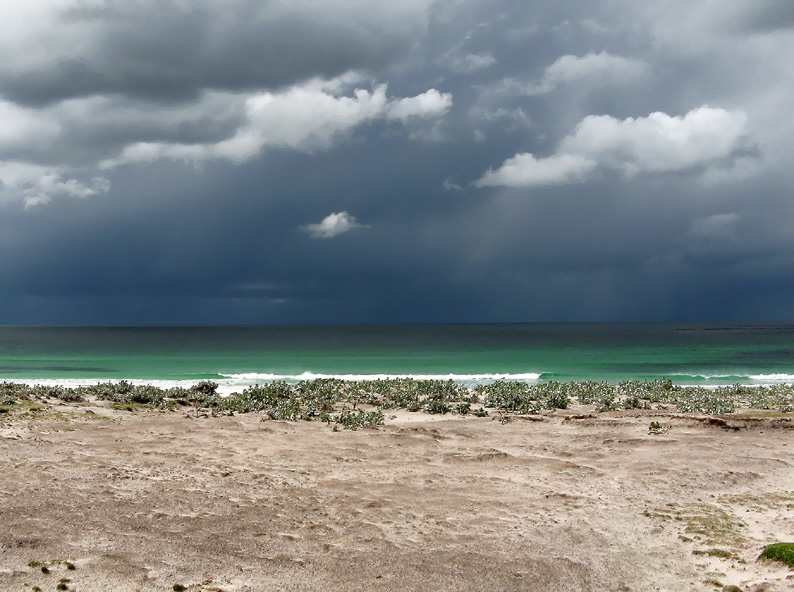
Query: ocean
point(235, 357)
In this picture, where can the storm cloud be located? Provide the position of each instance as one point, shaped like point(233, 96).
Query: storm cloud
point(422, 160)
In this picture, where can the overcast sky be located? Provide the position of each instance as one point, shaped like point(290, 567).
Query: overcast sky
point(269, 161)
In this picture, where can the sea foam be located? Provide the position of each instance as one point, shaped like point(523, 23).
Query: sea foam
point(772, 377)
point(257, 377)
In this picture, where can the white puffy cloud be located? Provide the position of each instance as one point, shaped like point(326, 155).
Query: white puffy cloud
point(36, 185)
point(525, 170)
point(103, 132)
point(594, 67)
point(429, 104)
point(332, 225)
point(87, 85)
point(305, 117)
point(659, 142)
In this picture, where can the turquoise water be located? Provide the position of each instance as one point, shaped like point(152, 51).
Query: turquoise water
point(238, 356)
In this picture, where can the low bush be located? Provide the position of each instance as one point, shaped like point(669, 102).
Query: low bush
point(353, 419)
point(463, 408)
point(325, 398)
point(781, 552)
point(436, 405)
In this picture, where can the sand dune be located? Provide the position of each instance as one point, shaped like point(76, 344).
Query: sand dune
point(571, 501)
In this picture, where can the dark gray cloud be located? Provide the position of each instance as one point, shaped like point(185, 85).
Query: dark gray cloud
point(269, 164)
point(761, 16)
point(167, 51)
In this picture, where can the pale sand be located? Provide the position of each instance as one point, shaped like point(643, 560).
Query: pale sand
point(141, 501)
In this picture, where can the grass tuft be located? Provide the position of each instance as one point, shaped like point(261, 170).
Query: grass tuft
point(782, 552)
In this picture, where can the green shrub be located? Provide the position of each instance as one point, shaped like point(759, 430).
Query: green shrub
point(258, 397)
point(607, 401)
point(69, 395)
point(632, 402)
point(125, 392)
point(436, 405)
point(588, 392)
point(205, 387)
point(779, 396)
point(781, 552)
point(287, 410)
point(406, 399)
point(463, 408)
point(556, 400)
point(711, 402)
point(145, 394)
point(352, 419)
point(507, 396)
point(321, 398)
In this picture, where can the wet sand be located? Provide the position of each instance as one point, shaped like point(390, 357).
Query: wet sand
point(572, 501)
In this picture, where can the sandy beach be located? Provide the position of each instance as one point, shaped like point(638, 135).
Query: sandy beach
point(573, 500)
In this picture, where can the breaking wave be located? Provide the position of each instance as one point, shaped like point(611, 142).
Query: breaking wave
point(746, 379)
point(773, 378)
point(264, 377)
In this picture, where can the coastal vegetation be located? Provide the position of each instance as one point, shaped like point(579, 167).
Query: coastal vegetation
point(781, 552)
point(351, 405)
